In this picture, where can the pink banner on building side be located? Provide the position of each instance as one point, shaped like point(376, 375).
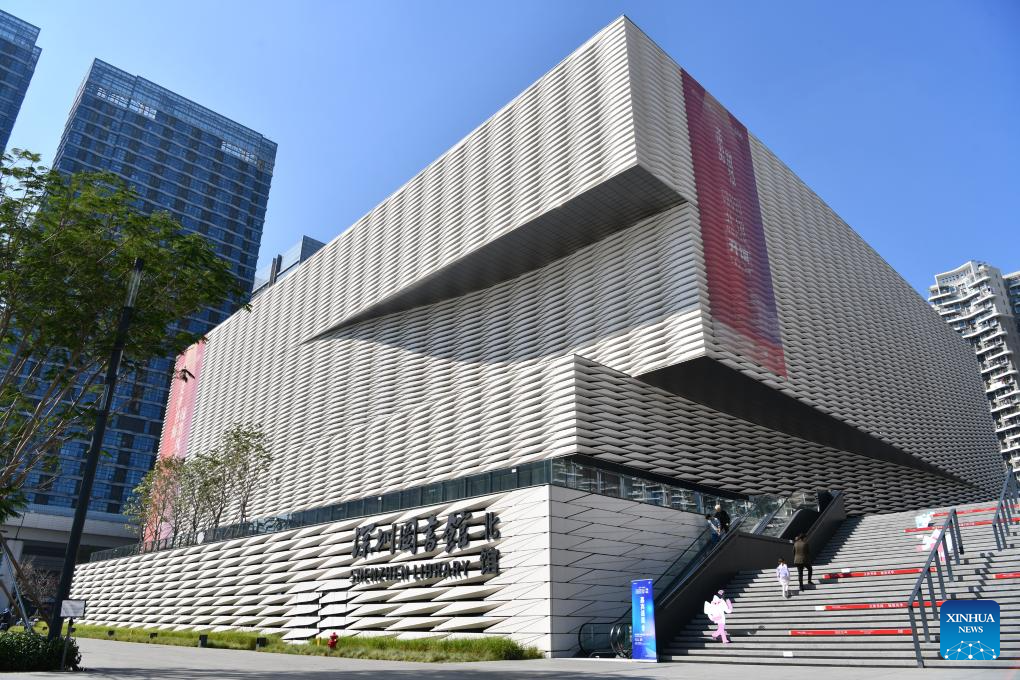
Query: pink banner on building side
point(741, 297)
point(181, 406)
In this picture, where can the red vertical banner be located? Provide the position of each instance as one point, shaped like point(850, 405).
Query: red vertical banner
point(742, 300)
point(181, 406)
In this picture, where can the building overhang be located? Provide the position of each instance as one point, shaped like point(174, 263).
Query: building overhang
point(716, 385)
point(608, 207)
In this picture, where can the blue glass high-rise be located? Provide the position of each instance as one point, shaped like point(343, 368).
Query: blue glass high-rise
point(213, 176)
point(18, 57)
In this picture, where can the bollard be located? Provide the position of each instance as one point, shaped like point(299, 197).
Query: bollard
point(203, 640)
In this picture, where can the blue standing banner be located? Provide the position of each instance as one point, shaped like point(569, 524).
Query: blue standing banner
point(642, 608)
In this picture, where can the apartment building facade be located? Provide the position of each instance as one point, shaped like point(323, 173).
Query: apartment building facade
point(983, 306)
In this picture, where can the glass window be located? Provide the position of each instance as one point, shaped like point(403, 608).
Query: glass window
point(577, 473)
point(479, 485)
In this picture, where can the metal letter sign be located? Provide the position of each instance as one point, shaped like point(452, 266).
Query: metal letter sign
point(642, 608)
point(456, 535)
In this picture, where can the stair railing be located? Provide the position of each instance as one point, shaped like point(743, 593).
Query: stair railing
point(938, 557)
point(1008, 500)
point(594, 638)
point(762, 513)
point(773, 523)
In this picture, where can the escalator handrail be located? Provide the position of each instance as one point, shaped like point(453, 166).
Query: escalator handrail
point(704, 552)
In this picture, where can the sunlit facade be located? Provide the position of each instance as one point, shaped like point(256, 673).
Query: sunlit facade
point(519, 381)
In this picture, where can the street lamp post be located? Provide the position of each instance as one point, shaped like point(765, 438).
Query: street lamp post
point(92, 461)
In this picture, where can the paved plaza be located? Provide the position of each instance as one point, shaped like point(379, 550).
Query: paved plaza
point(105, 659)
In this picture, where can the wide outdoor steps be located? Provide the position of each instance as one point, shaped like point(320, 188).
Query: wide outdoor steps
point(762, 623)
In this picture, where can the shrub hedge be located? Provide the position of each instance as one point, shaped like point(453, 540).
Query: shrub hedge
point(21, 651)
point(381, 647)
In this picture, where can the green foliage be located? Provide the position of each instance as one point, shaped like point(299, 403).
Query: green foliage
point(177, 638)
point(208, 490)
point(429, 649)
point(155, 502)
point(383, 647)
point(11, 501)
point(25, 652)
point(67, 246)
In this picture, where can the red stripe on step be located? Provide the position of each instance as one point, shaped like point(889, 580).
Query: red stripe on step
point(878, 572)
point(875, 605)
point(811, 632)
point(978, 523)
point(972, 511)
point(1009, 574)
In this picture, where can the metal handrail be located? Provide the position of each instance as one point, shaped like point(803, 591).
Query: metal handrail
point(1008, 499)
point(618, 632)
point(765, 521)
point(793, 502)
point(701, 546)
point(939, 555)
point(619, 640)
point(677, 579)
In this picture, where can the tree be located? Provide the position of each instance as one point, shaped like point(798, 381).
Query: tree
point(67, 245)
point(206, 491)
point(39, 584)
point(200, 483)
point(154, 504)
point(244, 459)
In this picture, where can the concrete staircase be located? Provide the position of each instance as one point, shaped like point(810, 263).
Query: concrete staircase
point(816, 626)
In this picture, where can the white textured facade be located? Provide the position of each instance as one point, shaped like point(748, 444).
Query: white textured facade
point(983, 306)
point(610, 267)
point(378, 356)
point(567, 558)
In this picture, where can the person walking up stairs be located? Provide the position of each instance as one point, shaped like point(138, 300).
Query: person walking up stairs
point(856, 612)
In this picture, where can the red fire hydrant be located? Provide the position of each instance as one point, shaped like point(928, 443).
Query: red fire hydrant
point(332, 641)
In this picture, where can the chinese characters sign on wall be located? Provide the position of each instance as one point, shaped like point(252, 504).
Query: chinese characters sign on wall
point(426, 535)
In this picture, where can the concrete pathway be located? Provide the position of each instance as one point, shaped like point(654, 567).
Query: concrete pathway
point(105, 659)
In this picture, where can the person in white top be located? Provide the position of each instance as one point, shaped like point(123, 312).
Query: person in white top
point(783, 576)
point(717, 610)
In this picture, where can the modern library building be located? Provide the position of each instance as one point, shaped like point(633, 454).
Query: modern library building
point(520, 381)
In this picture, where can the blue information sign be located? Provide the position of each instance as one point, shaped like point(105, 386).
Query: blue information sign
point(642, 608)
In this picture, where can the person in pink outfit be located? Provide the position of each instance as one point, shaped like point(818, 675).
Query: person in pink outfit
point(783, 576)
point(717, 610)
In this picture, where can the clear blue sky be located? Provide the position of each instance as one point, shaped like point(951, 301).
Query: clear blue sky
point(903, 116)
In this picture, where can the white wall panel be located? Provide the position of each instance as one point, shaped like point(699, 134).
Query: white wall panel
point(479, 382)
point(483, 380)
point(860, 344)
point(626, 421)
point(298, 582)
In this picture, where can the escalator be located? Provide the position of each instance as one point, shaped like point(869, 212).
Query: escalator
point(762, 532)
